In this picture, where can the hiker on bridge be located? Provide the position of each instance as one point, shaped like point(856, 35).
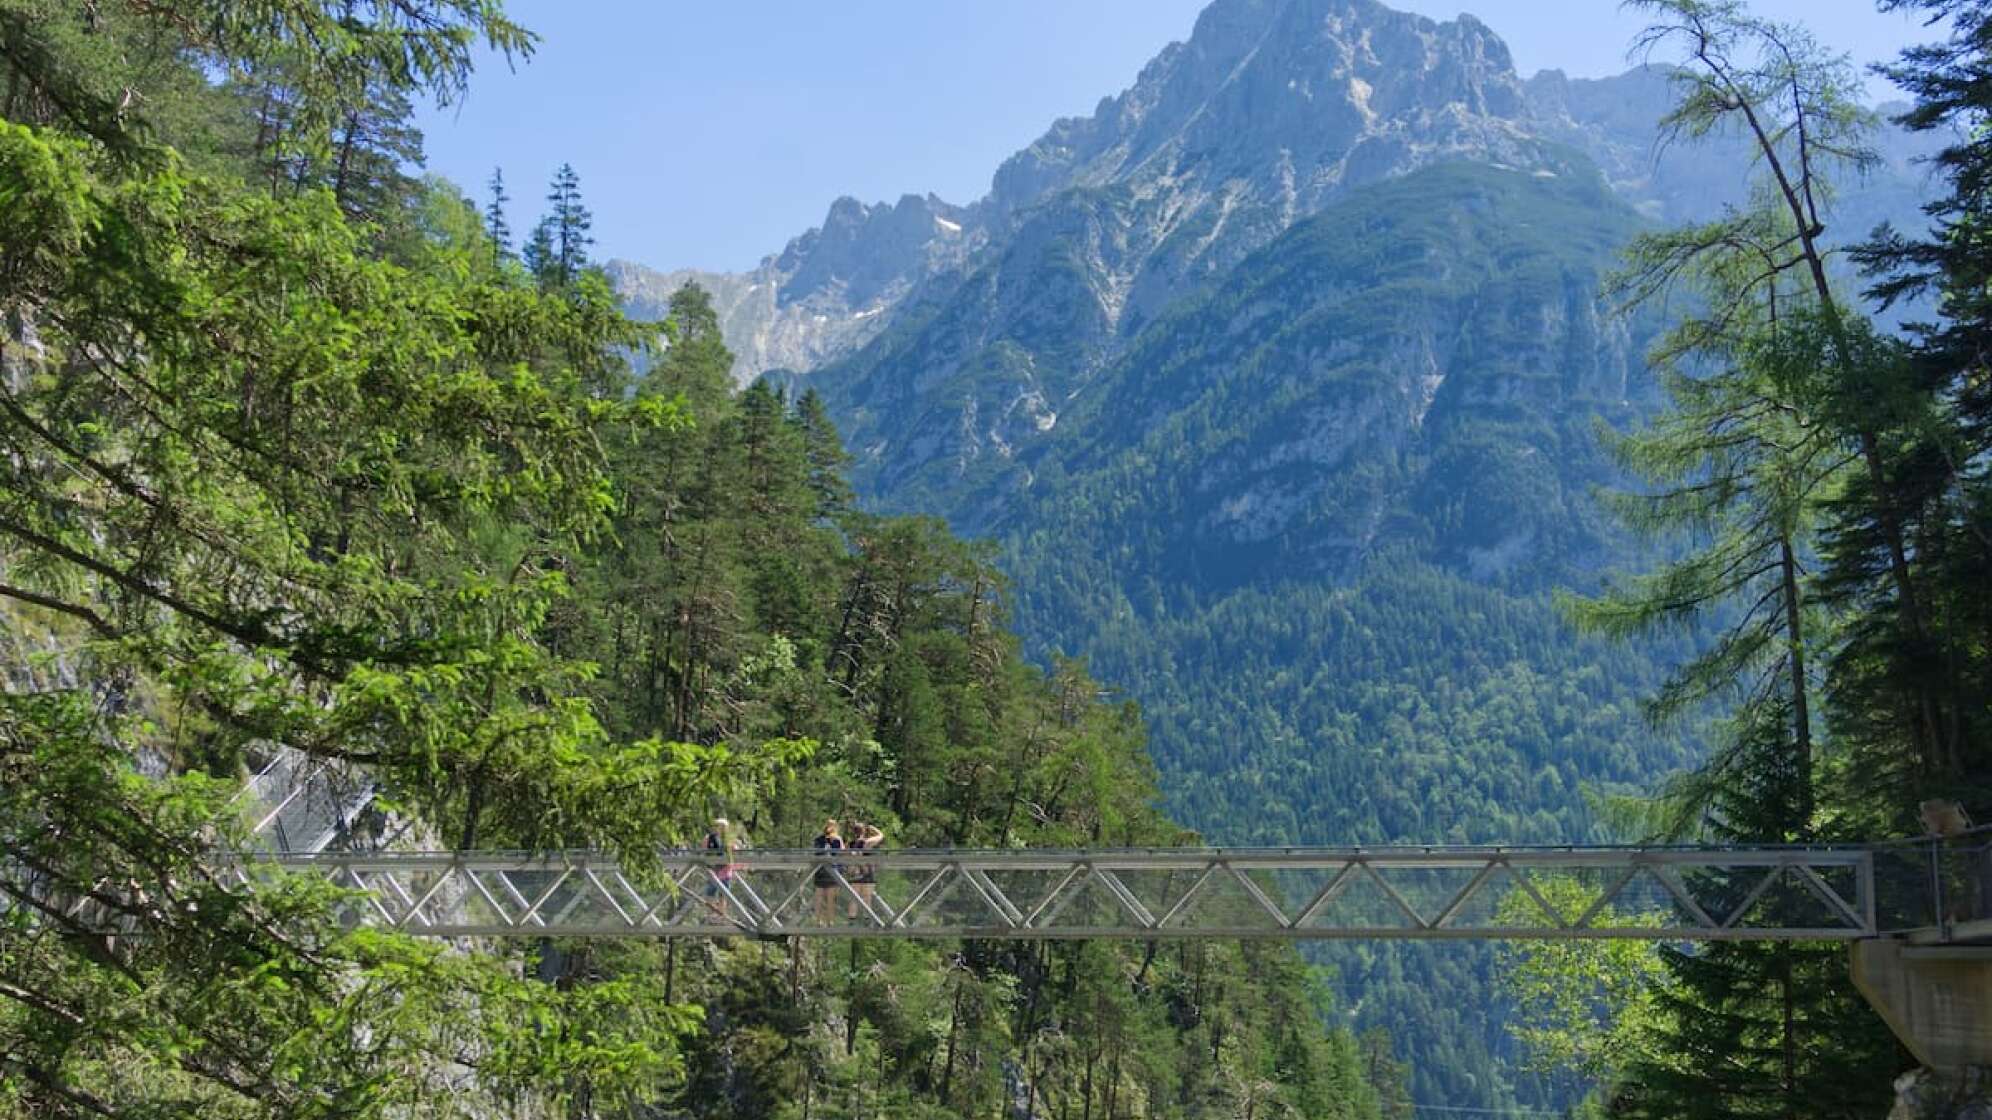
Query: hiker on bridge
point(864, 877)
point(720, 840)
point(827, 843)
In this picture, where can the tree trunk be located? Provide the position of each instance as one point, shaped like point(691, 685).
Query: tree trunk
point(1801, 709)
point(954, 1033)
point(1798, 198)
point(1788, 1030)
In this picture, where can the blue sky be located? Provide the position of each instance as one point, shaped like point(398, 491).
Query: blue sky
point(709, 133)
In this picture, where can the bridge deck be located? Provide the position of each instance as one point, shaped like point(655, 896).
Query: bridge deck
point(1704, 894)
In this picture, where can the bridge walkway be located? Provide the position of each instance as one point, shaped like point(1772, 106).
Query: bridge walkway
point(1415, 893)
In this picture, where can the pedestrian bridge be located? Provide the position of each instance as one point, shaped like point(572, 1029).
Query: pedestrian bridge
point(1654, 893)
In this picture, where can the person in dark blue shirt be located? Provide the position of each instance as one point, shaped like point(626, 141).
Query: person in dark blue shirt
point(828, 842)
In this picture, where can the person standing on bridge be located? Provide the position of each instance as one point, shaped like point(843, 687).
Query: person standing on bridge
point(719, 840)
point(864, 877)
point(827, 843)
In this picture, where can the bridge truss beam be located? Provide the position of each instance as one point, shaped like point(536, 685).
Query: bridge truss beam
point(1315, 894)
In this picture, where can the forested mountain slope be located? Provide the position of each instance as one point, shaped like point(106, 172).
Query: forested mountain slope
point(299, 455)
point(1319, 542)
point(1278, 379)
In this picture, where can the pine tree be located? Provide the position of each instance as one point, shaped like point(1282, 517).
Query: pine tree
point(1742, 466)
point(374, 146)
point(696, 362)
point(1798, 105)
point(495, 222)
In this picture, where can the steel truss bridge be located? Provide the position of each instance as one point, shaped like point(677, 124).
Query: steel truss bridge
point(1674, 894)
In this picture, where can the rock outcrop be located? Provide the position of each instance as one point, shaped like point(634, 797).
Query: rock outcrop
point(1928, 1095)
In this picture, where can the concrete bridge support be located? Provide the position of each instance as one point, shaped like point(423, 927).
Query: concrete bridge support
point(1938, 1001)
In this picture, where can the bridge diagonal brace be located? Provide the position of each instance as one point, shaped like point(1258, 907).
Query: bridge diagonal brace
point(574, 900)
point(795, 891)
point(415, 908)
point(1397, 899)
point(609, 897)
point(1466, 893)
point(919, 896)
point(394, 886)
point(1183, 903)
point(1125, 897)
point(850, 893)
point(1830, 897)
point(672, 893)
point(373, 896)
point(1610, 894)
point(1256, 895)
point(1529, 888)
point(753, 917)
point(1679, 890)
point(857, 896)
point(1329, 892)
point(649, 908)
point(1067, 889)
point(753, 909)
point(477, 884)
point(1763, 886)
point(512, 892)
point(993, 894)
point(533, 911)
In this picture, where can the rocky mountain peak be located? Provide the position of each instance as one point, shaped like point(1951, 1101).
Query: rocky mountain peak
point(1295, 97)
point(864, 252)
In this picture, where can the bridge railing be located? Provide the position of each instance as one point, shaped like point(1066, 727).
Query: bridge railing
point(1941, 888)
point(1414, 893)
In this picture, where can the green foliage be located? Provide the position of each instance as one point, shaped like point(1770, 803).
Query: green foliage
point(1323, 572)
point(1917, 699)
point(746, 601)
point(294, 457)
point(1811, 463)
point(1581, 1007)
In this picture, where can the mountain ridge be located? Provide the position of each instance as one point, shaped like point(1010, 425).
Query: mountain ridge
point(832, 289)
point(1166, 119)
point(1276, 388)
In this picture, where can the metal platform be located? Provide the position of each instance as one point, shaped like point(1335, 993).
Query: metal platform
point(1673, 894)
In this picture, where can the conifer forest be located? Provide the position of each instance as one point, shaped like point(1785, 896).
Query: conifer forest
point(1418, 467)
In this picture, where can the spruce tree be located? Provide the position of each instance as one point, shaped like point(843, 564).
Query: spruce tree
point(375, 144)
point(571, 222)
point(1756, 1029)
point(495, 222)
point(1938, 411)
point(824, 450)
point(542, 260)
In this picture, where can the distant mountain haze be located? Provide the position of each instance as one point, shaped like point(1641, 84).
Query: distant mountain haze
point(1277, 380)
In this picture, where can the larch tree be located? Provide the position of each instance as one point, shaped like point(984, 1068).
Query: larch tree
point(1742, 466)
